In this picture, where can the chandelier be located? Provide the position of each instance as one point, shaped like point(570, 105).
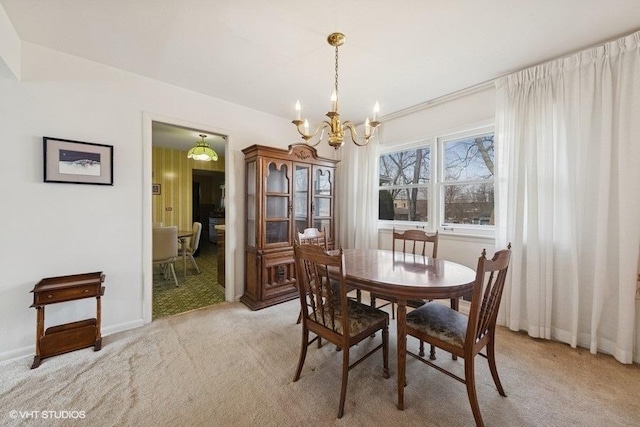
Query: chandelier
point(336, 128)
point(202, 151)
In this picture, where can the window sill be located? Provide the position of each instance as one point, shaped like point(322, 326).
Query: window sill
point(466, 235)
point(461, 235)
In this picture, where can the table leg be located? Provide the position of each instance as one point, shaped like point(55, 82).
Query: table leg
point(39, 335)
point(401, 326)
point(183, 245)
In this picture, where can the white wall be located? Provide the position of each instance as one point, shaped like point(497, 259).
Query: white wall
point(49, 229)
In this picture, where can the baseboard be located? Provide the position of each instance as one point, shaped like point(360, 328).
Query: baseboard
point(19, 353)
point(122, 327)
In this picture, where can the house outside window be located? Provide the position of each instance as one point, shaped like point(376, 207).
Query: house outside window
point(444, 183)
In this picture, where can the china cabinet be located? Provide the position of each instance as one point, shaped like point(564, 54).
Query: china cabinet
point(287, 190)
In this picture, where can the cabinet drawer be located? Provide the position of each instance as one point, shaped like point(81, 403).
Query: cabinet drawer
point(66, 294)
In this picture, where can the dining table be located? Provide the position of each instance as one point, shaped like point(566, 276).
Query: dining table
point(402, 277)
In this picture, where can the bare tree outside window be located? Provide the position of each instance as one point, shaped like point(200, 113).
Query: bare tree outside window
point(468, 180)
point(404, 185)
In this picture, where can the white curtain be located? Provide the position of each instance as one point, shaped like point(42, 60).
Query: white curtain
point(568, 197)
point(357, 205)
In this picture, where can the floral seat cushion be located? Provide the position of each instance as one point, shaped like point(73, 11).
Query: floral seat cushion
point(361, 317)
point(439, 321)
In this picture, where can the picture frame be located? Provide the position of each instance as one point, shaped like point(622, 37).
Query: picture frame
point(155, 189)
point(77, 162)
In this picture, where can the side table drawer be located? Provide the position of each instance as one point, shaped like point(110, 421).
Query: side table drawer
point(66, 294)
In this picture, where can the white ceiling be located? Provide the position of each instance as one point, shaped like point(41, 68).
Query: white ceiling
point(266, 54)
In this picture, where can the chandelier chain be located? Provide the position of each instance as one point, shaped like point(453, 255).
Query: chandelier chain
point(336, 77)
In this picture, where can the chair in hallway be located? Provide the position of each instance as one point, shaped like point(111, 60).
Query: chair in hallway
point(188, 251)
point(329, 314)
point(465, 336)
point(165, 249)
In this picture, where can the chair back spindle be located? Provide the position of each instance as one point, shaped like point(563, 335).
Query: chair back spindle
point(415, 242)
point(318, 293)
point(490, 275)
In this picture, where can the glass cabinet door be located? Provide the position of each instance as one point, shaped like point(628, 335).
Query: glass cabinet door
point(323, 198)
point(277, 200)
point(301, 199)
point(251, 204)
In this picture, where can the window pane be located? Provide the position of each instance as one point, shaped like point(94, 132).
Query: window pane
point(469, 204)
point(405, 167)
point(407, 204)
point(469, 158)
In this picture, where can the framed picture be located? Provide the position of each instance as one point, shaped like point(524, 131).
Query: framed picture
point(77, 162)
point(155, 189)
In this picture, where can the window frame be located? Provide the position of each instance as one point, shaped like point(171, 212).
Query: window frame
point(437, 183)
point(470, 229)
point(414, 145)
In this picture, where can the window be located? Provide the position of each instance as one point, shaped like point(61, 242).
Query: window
point(466, 187)
point(405, 180)
point(458, 198)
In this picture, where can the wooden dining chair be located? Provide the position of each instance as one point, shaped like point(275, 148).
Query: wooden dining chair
point(462, 335)
point(329, 314)
point(414, 242)
point(317, 238)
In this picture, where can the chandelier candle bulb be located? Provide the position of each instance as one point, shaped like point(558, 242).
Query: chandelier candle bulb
point(334, 101)
point(306, 127)
point(298, 110)
point(376, 110)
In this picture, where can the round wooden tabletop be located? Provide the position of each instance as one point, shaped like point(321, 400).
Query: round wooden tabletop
point(405, 276)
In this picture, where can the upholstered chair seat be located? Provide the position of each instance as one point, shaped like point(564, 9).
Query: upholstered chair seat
point(439, 321)
point(361, 317)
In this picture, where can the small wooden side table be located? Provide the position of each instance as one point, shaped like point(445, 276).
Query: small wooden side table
point(69, 336)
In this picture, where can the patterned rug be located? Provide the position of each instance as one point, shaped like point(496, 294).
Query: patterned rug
point(196, 291)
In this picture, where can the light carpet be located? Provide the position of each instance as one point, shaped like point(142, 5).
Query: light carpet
point(228, 366)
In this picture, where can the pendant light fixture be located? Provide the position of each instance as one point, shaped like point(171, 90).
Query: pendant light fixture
point(336, 129)
point(202, 151)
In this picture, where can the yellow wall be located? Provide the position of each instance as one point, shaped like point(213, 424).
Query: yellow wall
point(173, 171)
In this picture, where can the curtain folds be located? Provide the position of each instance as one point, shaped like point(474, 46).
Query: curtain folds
point(568, 197)
point(357, 205)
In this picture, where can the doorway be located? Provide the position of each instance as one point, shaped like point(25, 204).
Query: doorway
point(189, 192)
